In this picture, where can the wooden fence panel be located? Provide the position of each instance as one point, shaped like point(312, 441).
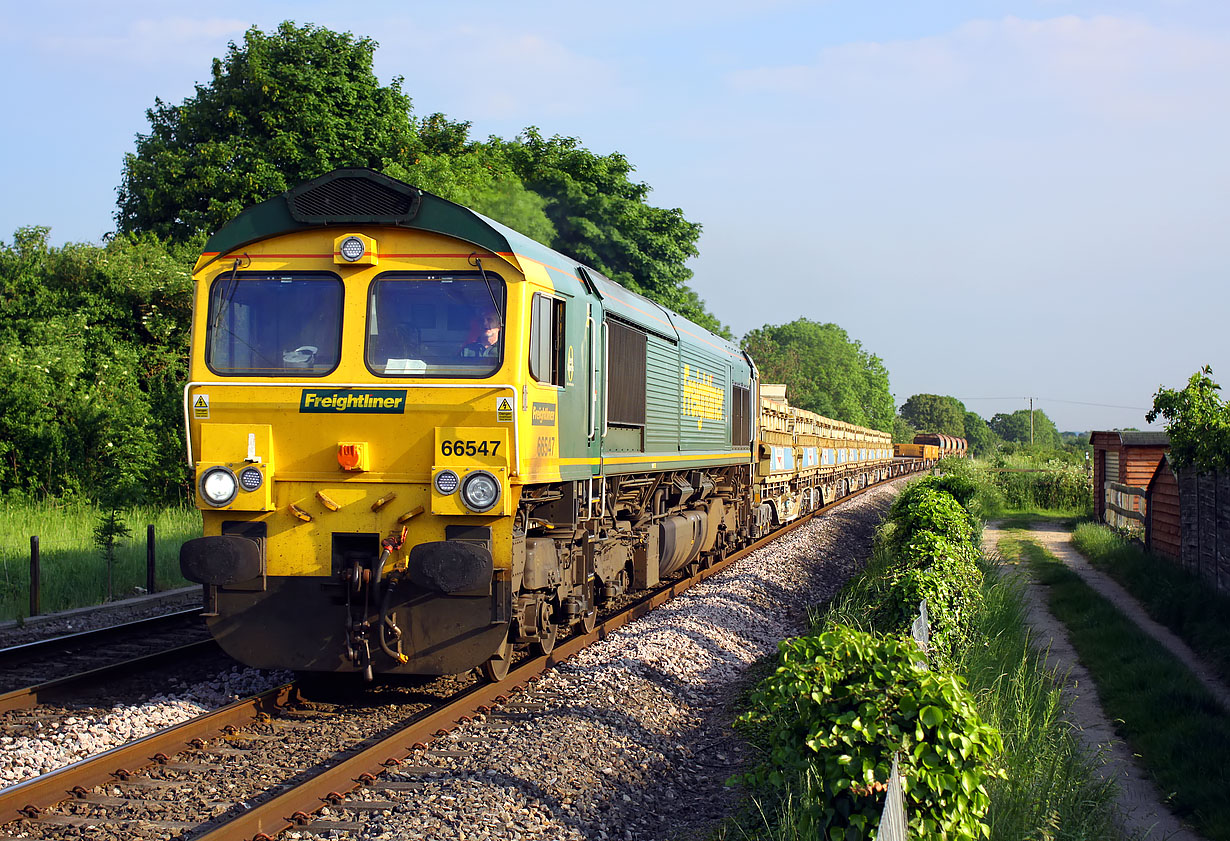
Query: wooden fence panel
point(1204, 514)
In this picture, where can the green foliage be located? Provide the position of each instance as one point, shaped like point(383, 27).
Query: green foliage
point(824, 371)
point(93, 355)
point(285, 107)
point(1197, 421)
point(935, 504)
point(281, 108)
point(1015, 427)
point(1054, 484)
point(982, 440)
point(841, 703)
point(903, 433)
point(109, 531)
point(926, 551)
point(475, 175)
point(935, 413)
point(602, 218)
point(961, 474)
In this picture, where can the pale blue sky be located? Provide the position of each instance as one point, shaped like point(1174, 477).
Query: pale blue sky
point(1001, 199)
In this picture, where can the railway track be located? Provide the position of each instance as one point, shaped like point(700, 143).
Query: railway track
point(55, 668)
point(193, 756)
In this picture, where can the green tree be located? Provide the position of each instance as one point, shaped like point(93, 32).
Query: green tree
point(981, 438)
point(281, 108)
point(903, 433)
point(825, 371)
point(477, 175)
point(93, 356)
point(1197, 421)
point(603, 220)
point(935, 413)
point(1015, 427)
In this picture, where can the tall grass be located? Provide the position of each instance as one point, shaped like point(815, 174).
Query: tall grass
point(73, 574)
point(1052, 789)
point(1174, 597)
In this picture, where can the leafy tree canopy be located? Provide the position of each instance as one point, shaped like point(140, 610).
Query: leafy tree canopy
point(903, 433)
point(1015, 427)
point(935, 413)
point(603, 219)
point(979, 435)
point(825, 371)
point(1197, 420)
point(282, 108)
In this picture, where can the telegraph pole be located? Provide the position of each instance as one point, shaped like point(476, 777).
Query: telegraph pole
point(1031, 421)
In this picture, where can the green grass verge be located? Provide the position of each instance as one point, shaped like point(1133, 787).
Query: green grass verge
point(1174, 597)
point(1164, 714)
point(72, 572)
point(1023, 517)
point(1053, 789)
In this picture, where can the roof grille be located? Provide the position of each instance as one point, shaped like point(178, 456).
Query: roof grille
point(352, 198)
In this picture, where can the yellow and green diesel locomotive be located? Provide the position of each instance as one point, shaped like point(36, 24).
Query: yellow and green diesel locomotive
point(421, 439)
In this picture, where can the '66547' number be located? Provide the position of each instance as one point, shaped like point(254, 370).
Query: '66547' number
point(469, 448)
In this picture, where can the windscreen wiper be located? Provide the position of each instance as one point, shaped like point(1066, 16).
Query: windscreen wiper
point(475, 260)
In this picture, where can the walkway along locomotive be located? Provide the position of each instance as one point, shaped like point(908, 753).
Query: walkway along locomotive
point(421, 439)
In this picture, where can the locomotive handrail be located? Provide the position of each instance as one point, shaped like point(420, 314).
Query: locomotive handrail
point(514, 469)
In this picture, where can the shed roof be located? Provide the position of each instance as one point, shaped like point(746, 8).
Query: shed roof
point(1145, 439)
point(1129, 438)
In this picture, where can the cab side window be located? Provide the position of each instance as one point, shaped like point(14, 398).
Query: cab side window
point(547, 339)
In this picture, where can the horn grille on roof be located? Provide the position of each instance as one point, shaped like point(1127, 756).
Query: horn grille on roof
point(352, 198)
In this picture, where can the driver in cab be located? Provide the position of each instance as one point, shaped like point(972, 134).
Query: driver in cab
point(488, 342)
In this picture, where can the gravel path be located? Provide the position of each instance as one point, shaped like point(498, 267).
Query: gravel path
point(1143, 813)
point(632, 738)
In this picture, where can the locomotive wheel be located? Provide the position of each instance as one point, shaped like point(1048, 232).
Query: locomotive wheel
point(545, 643)
point(548, 631)
point(496, 667)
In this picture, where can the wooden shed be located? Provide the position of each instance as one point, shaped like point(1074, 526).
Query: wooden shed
point(1163, 529)
point(1124, 458)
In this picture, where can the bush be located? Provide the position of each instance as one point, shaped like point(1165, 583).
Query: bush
point(840, 704)
point(923, 508)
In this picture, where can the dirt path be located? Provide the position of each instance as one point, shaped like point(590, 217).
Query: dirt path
point(1144, 815)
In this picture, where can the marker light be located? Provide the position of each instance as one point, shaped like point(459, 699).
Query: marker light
point(250, 478)
point(446, 482)
point(480, 491)
point(218, 486)
point(352, 249)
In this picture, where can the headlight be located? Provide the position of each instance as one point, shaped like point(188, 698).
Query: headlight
point(480, 491)
point(218, 486)
point(446, 482)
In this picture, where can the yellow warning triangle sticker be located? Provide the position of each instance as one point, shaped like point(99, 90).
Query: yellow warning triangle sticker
point(201, 402)
point(504, 406)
